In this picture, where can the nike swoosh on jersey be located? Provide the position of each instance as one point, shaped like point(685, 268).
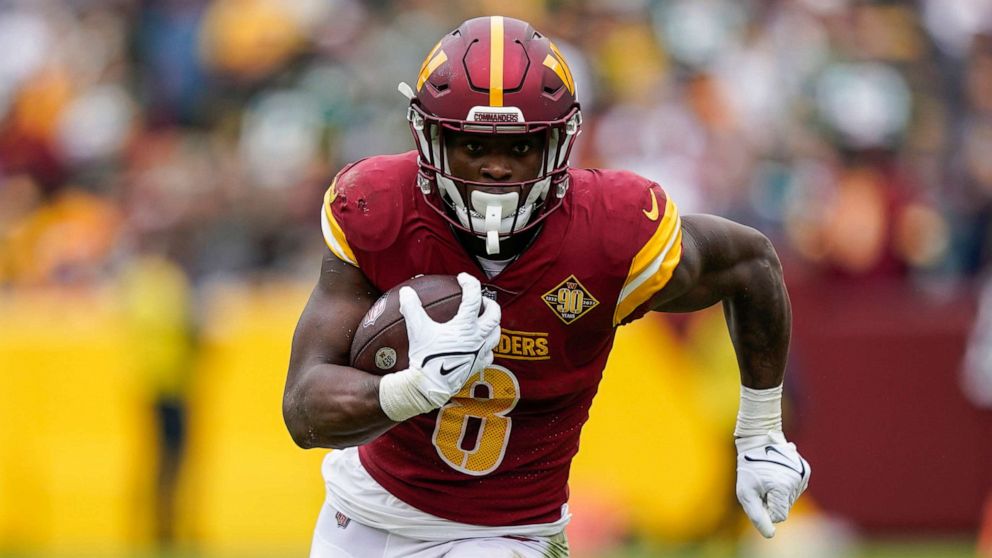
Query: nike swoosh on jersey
point(445, 371)
point(801, 470)
point(653, 214)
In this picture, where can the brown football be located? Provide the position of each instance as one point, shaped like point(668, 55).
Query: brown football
point(380, 345)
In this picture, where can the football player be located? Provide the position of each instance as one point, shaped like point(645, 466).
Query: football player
point(455, 457)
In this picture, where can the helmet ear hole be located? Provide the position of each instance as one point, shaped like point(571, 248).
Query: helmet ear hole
point(436, 89)
point(554, 94)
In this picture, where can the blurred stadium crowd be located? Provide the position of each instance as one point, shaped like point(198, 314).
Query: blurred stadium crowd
point(857, 134)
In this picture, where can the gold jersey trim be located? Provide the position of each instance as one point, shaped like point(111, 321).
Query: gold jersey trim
point(654, 264)
point(334, 235)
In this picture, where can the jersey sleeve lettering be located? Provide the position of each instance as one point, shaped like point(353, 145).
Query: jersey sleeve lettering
point(654, 264)
point(334, 235)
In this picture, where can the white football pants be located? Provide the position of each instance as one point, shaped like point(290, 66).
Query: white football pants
point(337, 536)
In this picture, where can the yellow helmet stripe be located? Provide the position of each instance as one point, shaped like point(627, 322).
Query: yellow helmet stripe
point(429, 56)
point(654, 264)
point(333, 233)
point(430, 64)
point(552, 62)
point(563, 71)
point(496, 61)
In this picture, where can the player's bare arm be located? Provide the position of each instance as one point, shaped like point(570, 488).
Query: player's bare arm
point(723, 261)
point(326, 403)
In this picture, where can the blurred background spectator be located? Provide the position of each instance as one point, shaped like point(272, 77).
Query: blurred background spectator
point(164, 150)
point(856, 133)
point(213, 126)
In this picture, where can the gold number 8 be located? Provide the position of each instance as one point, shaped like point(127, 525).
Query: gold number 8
point(487, 397)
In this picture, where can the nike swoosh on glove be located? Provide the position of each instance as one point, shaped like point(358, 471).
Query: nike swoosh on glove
point(770, 477)
point(444, 355)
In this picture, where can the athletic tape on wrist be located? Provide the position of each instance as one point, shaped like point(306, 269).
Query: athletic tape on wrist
point(399, 397)
point(760, 412)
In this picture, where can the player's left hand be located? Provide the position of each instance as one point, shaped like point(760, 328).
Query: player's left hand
point(770, 477)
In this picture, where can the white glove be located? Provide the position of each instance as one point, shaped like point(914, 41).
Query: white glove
point(770, 477)
point(443, 356)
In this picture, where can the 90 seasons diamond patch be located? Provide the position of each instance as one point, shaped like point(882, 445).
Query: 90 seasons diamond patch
point(569, 300)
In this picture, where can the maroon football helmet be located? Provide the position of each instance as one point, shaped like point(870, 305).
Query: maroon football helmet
point(494, 75)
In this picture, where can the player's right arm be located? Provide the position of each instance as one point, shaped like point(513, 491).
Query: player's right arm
point(326, 403)
point(329, 404)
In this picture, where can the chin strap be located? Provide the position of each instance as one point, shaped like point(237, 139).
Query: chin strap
point(494, 214)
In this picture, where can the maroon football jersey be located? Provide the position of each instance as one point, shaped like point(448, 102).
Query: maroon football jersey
point(499, 452)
